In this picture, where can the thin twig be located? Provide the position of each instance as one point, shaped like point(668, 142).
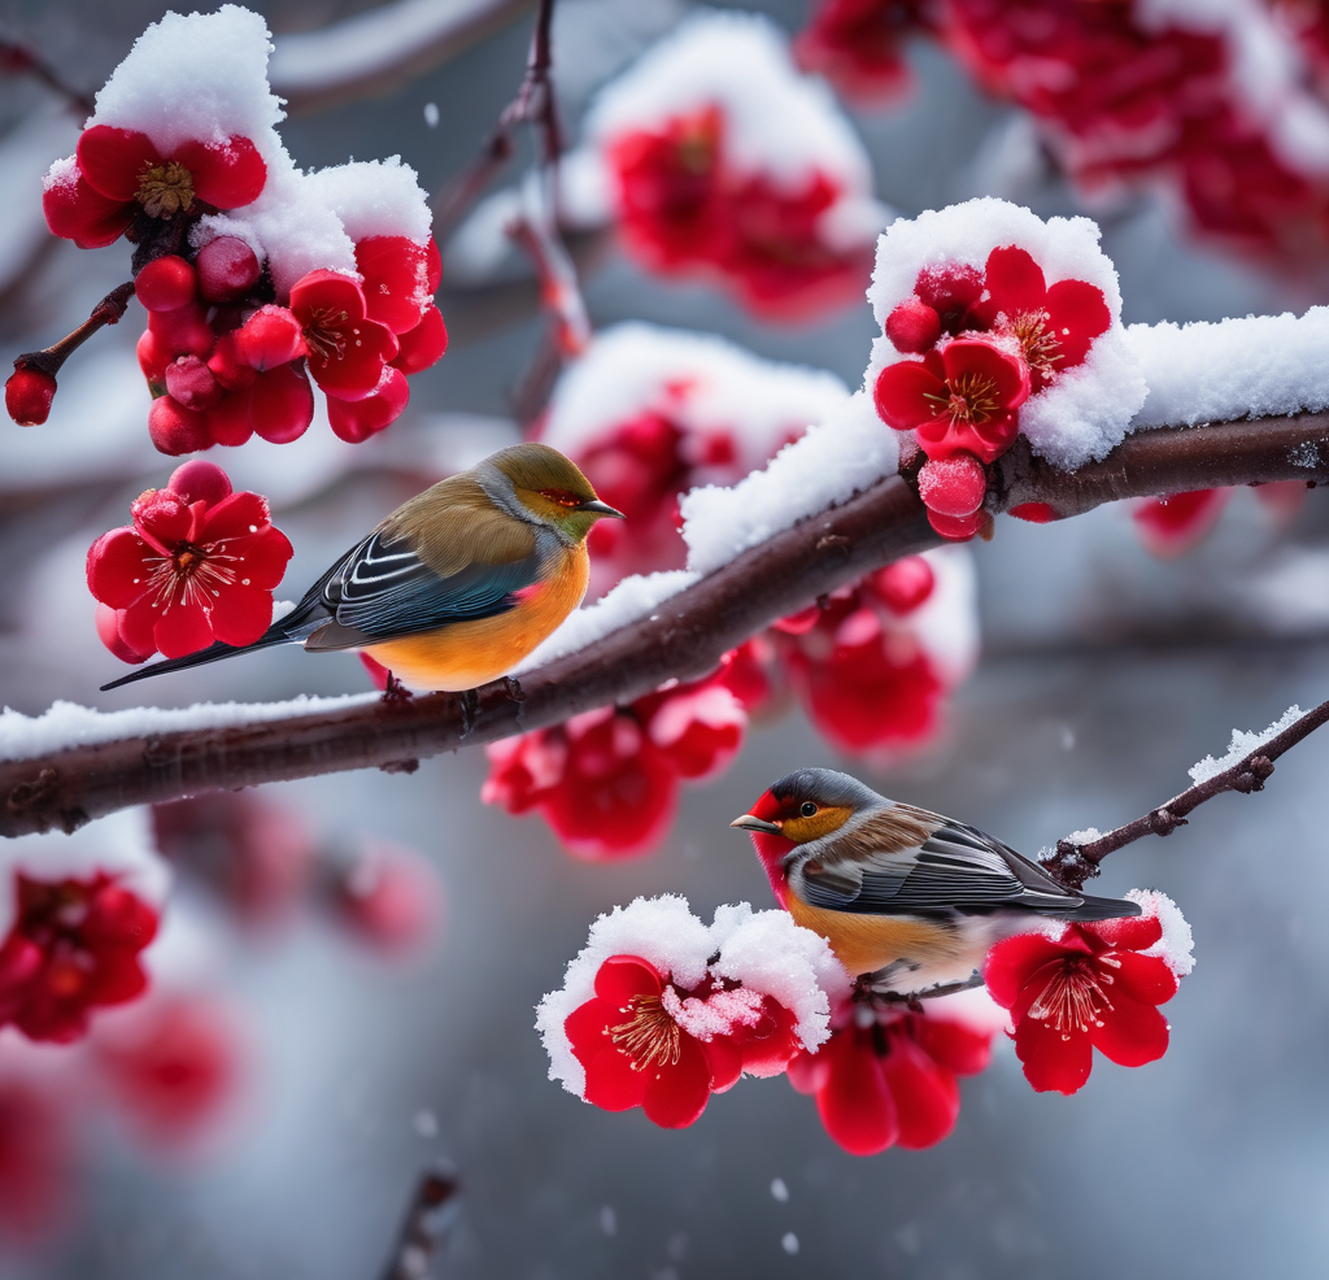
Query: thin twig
point(684, 637)
point(109, 310)
point(430, 1214)
point(1074, 863)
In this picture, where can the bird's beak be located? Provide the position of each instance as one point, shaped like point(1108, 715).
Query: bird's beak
point(748, 823)
point(601, 509)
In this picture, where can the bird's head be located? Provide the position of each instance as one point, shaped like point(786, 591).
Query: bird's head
point(551, 488)
point(803, 807)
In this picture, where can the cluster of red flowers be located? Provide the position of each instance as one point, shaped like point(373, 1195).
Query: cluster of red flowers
point(73, 946)
point(607, 781)
point(685, 209)
point(858, 666)
point(198, 564)
point(855, 44)
point(1092, 987)
point(1127, 100)
point(888, 1077)
point(225, 356)
point(645, 1042)
point(985, 341)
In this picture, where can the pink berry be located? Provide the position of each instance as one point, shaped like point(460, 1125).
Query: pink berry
point(227, 269)
point(953, 486)
point(913, 327)
point(166, 284)
point(28, 396)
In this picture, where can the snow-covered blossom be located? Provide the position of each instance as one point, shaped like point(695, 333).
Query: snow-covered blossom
point(719, 160)
point(660, 1010)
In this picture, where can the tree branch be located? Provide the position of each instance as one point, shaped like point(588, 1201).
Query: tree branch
point(110, 310)
point(422, 1229)
point(1074, 863)
point(684, 638)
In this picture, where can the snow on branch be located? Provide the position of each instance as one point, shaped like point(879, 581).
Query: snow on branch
point(678, 635)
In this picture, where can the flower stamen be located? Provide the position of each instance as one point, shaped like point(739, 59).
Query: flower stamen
point(165, 189)
point(1073, 999)
point(969, 398)
point(650, 1036)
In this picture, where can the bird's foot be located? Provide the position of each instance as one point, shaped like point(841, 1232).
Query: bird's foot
point(868, 991)
point(394, 692)
point(512, 687)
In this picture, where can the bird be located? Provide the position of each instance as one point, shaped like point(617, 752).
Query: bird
point(908, 900)
point(457, 585)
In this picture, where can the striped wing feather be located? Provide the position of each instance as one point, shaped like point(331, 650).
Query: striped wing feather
point(954, 866)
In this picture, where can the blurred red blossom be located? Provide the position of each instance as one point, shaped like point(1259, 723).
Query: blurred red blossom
point(73, 946)
point(607, 781)
point(888, 1077)
point(35, 1158)
point(389, 896)
point(855, 44)
point(198, 564)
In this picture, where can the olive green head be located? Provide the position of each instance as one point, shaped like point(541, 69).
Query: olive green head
point(551, 488)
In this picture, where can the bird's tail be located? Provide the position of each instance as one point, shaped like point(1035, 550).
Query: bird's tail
point(1093, 908)
point(213, 653)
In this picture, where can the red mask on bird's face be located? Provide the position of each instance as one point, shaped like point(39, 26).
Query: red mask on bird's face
point(762, 823)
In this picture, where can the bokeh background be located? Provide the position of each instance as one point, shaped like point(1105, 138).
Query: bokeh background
point(1105, 674)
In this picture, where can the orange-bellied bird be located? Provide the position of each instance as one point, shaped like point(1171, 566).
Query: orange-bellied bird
point(911, 898)
point(457, 585)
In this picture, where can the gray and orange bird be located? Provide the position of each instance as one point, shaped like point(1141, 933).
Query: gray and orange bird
point(910, 898)
point(457, 585)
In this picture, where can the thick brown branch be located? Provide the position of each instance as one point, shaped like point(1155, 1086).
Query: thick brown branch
point(1075, 863)
point(685, 638)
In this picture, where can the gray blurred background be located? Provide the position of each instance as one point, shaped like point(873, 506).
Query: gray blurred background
point(1105, 675)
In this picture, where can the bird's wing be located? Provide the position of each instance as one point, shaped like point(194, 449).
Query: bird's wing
point(382, 590)
point(955, 866)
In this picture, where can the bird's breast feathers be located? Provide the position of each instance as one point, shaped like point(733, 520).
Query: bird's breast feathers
point(464, 655)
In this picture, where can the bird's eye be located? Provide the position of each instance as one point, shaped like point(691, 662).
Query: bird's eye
point(807, 808)
point(562, 497)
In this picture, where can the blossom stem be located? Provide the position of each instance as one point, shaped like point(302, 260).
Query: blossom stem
point(1074, 863)
point(108, 311)
point(17, 57)
point(784, 574)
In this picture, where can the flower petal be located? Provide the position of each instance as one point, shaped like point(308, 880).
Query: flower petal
point(1053, 1060)
point(1008, 373)
point(901, 394)
point(612, 1082)
point(1132, 1033)
point(620, 978)
point(241, 614)
point(1127, 933)
point(926, 1095)
point(1015, 281)
point(677, 1095)
point(183, 628)
point(262, 557)
point(856, 1106)
point(77, 211)
point(236, 516)
point(1077, 314)
point(1145, 978)
point(225, 175)
point(959, 1048)
point(112, 159)
point(117, 568)
point(725, 1060)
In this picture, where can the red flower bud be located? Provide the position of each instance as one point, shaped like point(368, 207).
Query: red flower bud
point(200, 481)
point(956, 528)
point(184, 331)
point(952, 486)
point(270, 337)
point(166, 284)
point(227, 269)
point(357, 420)
point(913, 327)
point(175, 429)
point(28, 396)
point(904, 585)
point(108, 632)
point(192, 383)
